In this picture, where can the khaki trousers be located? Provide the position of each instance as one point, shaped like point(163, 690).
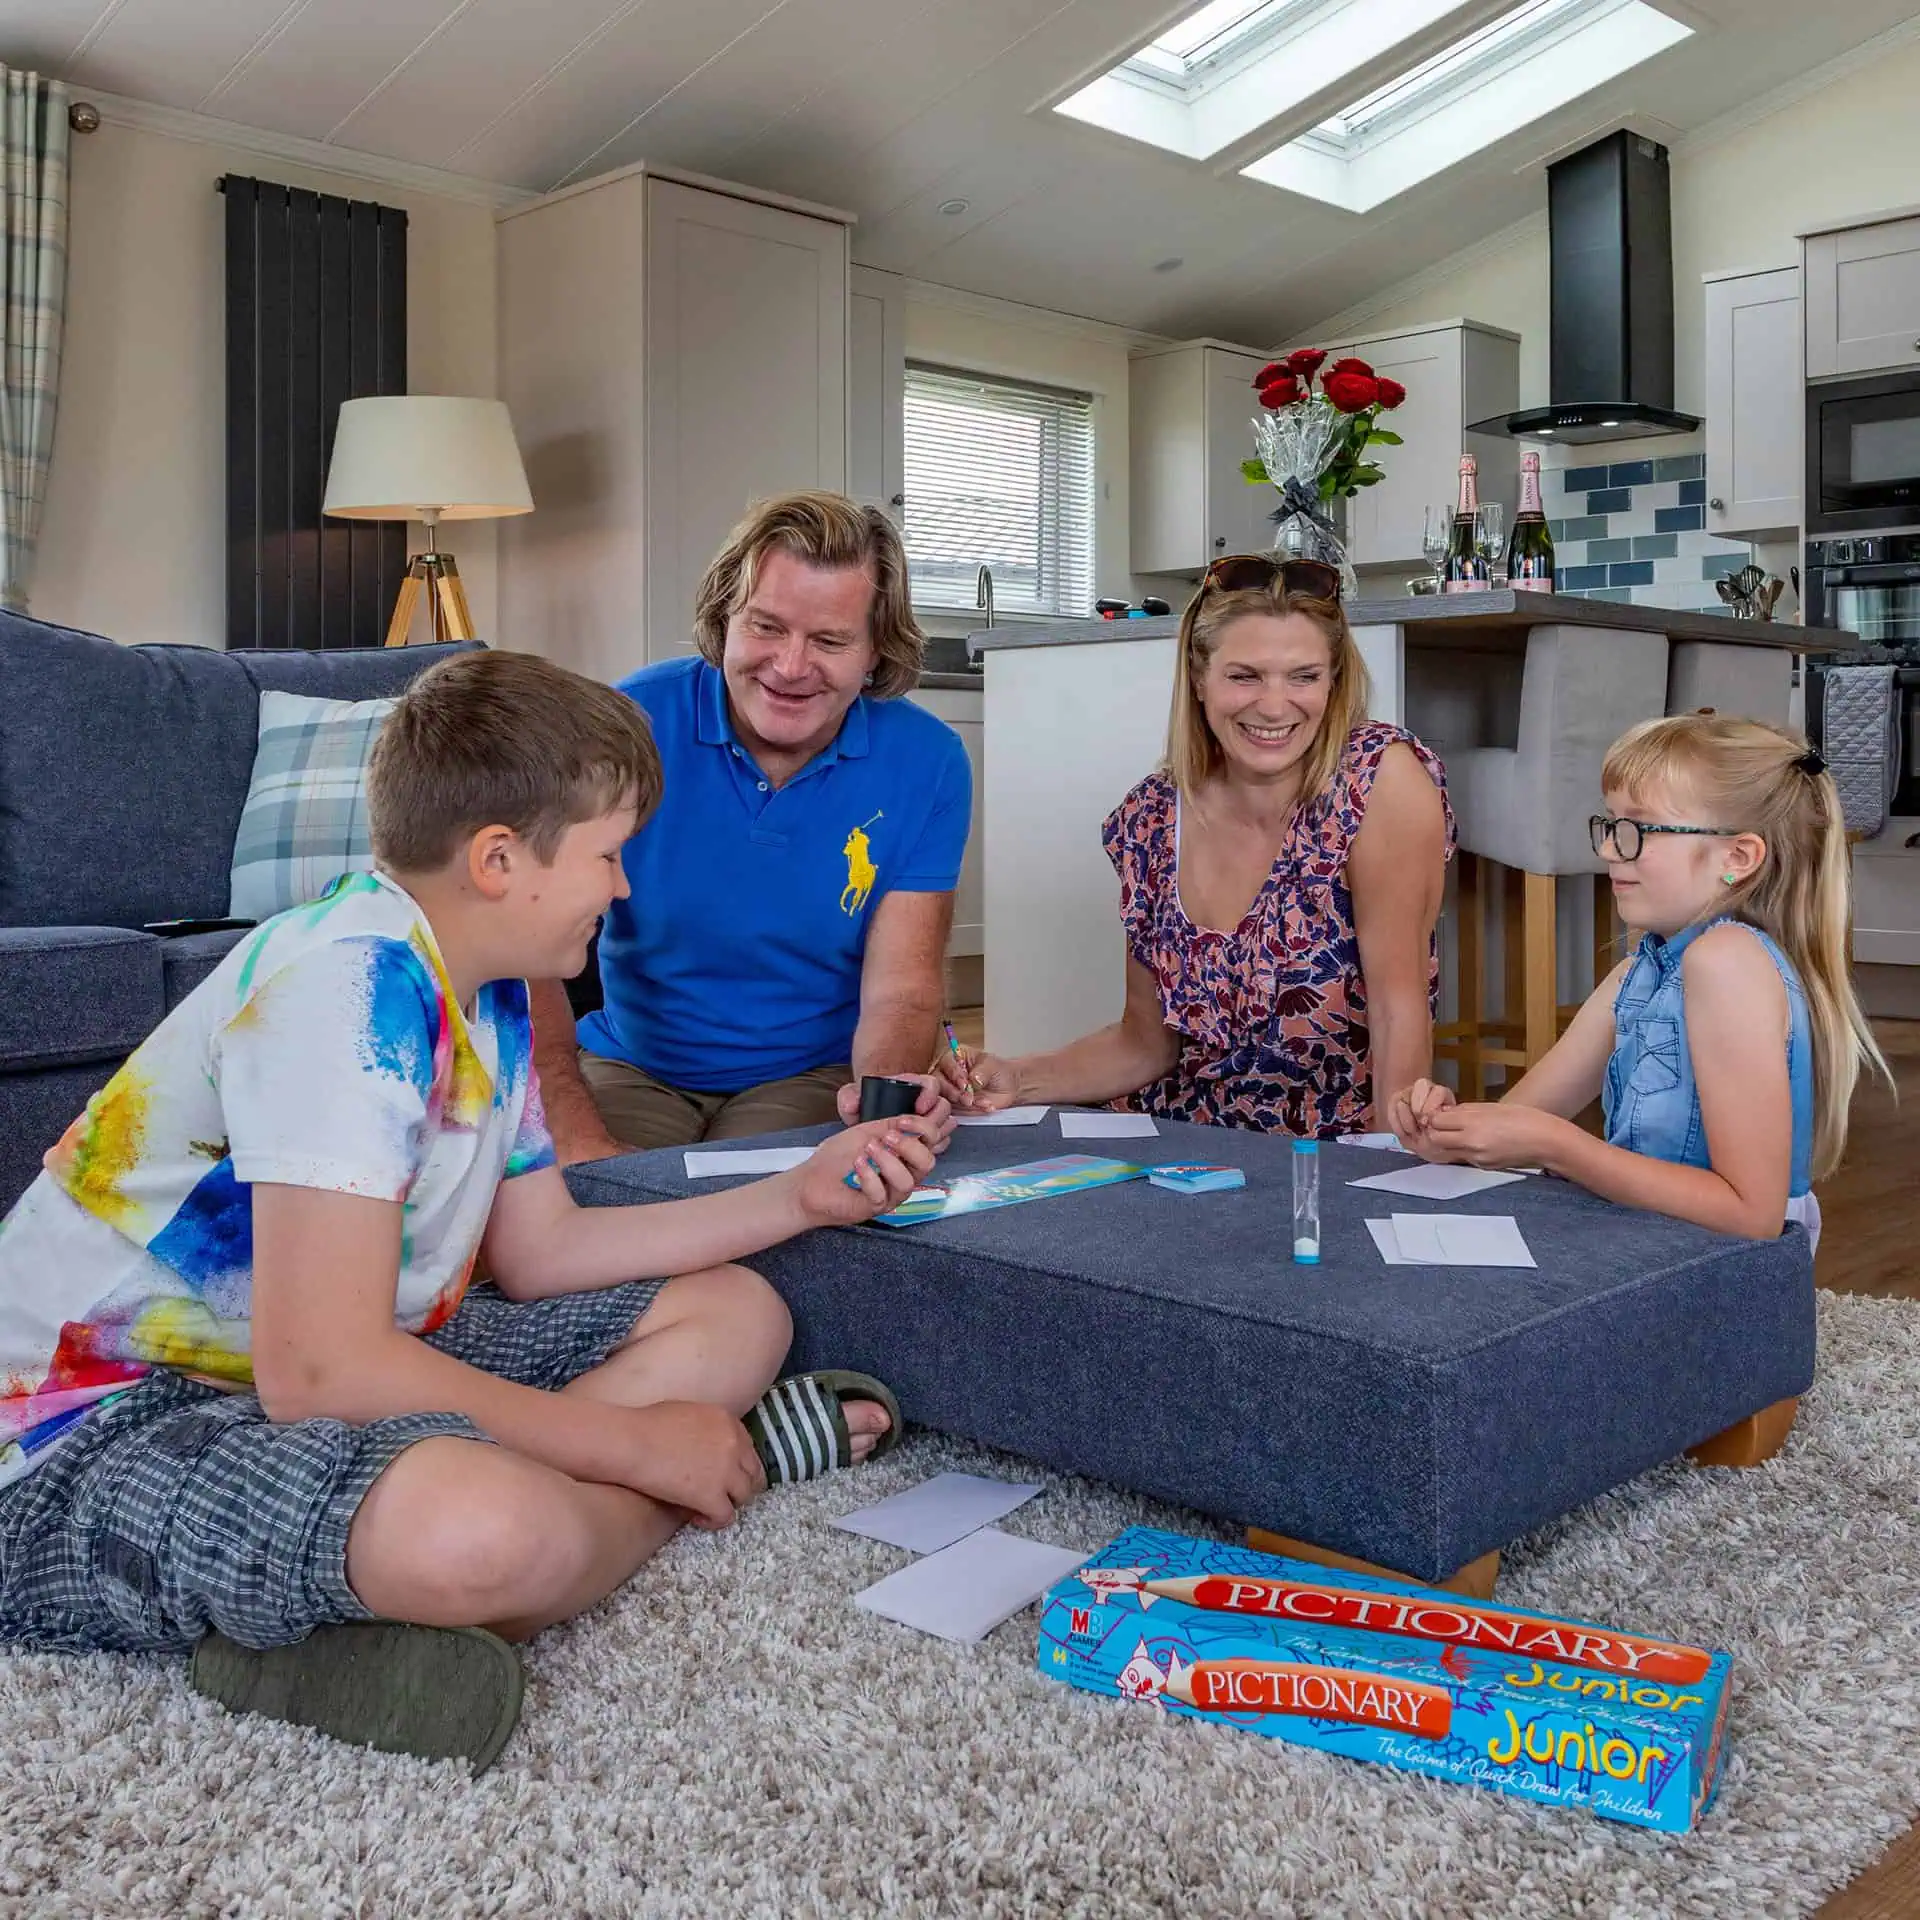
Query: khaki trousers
point(643, 1112)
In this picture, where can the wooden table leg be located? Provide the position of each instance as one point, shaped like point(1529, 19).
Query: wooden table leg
point(1748, 1442)
point(1475, 1579)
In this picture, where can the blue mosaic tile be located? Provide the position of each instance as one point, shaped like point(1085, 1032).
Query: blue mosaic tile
point(1680, 466)
point(1611, 500)
point(1693, 493)
point(1716, 566)
point(1679, 519)
point(1584, 526)
point(1582, 479)
point(1633, 573)
point(1583, 576)
point(1621, 596)
point(1655, 546)
point(1558, 528)
point(1630, 473)
point(1599, 552)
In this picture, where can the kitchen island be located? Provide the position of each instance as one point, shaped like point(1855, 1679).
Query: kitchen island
point(1076, 713)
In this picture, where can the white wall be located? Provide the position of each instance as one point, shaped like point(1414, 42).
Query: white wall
point(133, 536)
point(951, 329)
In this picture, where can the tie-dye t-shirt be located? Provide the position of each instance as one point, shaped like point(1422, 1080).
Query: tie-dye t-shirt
point(325, 1051)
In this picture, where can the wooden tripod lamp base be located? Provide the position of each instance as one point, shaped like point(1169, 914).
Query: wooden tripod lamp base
point(436, 574)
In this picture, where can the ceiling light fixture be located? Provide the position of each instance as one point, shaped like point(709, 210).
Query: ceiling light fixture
point(951, 208)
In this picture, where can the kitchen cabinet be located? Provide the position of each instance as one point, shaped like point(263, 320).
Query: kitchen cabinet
point(1886, 897)
point(671, 353)
point(960, 708)
point(1456, 372)
point(877, 390)
point(1755, 409)
point(1863, 298)
point(1190, 417)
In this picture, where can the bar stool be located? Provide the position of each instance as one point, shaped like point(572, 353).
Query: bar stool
point(1522, 813)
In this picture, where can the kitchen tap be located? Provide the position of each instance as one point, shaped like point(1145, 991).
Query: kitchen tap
point(983, 591)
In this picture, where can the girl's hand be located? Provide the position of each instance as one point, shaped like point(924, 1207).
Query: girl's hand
point(888, 1159)
point(1485, 1134)
point(1412, 1108)
point(984, 1085)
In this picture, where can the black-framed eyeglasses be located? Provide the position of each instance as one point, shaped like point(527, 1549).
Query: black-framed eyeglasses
point(1263, 572)
point(1629, 836)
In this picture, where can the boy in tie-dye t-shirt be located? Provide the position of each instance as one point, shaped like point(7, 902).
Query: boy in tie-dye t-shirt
point(255, 1401)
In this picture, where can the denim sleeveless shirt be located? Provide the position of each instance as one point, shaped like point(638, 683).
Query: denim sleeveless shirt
point(1651, 1102)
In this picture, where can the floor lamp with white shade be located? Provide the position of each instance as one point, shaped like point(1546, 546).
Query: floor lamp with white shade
point(427, 457)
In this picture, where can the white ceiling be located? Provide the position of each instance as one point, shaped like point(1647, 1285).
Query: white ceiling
point(888, 108)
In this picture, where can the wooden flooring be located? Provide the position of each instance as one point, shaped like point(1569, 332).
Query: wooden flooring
point(1869, 1243)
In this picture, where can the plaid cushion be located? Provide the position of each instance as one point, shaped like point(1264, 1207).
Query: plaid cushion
point(305, 821)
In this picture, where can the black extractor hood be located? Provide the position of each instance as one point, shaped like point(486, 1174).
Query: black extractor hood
point(1610, 251)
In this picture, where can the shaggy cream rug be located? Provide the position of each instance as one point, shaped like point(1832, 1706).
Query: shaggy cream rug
point(731, 1735)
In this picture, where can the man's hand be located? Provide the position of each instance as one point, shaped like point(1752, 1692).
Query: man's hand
point(695, 1457)
point(983, 1085)
point(575, 1147)
point(1412, 1109)
point(1486, 1134)
point(933, 1107)
point(888, 1158)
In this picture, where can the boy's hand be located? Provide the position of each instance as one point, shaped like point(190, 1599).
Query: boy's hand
point(985, 1085)
point(1489, 1134)
point(695, 1457)
point(934, 1106)
point(1412, 1109)
point(889, 1158)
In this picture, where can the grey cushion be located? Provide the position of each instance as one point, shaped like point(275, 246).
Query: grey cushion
point(73, 994)
point(1415, 1417)
point(190, 958)
point(123, 769)
point(35, 1110)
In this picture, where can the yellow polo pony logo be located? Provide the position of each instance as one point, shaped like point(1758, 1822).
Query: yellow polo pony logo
point(861, 872)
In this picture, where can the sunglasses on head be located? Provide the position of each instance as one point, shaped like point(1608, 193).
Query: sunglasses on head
point(1267, 573)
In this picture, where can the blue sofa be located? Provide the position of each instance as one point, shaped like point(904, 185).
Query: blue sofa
point(123, 771)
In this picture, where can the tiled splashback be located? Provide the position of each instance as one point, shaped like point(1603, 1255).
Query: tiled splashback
point(1635, 530)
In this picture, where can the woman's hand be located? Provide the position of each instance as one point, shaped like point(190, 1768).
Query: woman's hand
point(887, 1158)
point(980, 1083)
point(1411, 1110)
point(1489, 1134)
point(934, 1107)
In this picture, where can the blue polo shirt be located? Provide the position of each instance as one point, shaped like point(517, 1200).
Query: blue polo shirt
point(737, 959)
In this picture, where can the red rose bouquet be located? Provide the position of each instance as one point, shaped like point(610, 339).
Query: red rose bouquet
point(1314, 446)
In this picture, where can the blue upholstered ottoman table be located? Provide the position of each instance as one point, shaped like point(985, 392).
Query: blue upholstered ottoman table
point(1412, 1419)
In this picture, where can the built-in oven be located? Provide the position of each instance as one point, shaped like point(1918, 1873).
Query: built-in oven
point(1863, 454)
point(1869, 584)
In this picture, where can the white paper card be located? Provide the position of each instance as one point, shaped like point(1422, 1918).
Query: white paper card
point(967, 1589)
point(1006, 1117)
point(1461, 1240)
point(704, 1165)
point(1108, 1126)
point(1427, 1182)
point(939, 1511)
point(1385, 1240)
point(1379, 1142)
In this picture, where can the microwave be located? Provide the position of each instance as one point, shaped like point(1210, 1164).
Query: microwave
point(1863, 454)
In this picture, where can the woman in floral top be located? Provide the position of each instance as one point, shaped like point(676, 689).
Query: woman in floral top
point(1280, 878)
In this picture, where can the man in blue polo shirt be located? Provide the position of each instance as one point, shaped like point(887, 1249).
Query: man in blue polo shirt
point(791, 898)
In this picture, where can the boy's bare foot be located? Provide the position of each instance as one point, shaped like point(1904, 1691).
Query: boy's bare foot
point(867, 1425)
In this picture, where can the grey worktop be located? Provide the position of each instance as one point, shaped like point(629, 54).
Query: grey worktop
point(964, 681)
point(1465, 616)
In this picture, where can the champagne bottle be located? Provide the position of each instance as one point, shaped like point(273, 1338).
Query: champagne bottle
point(1530, 546)
point(1465, 571)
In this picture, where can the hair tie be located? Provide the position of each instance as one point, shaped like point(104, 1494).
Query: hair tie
point(1811, 764)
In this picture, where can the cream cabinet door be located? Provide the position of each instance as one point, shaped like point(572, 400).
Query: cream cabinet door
point(1384, 521)
point(746, 378)
point(877, 391)
point(1863, 299)
point(1755, 415)
point(1236, 512)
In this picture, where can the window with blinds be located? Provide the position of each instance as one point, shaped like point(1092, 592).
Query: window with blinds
point(998, 474)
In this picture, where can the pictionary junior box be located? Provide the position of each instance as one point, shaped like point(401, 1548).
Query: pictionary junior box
point(1413, 1677)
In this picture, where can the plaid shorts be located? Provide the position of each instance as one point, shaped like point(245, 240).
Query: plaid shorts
point(180, 1508)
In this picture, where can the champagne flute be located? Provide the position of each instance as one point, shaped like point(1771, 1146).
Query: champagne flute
point(1489, 537)
point(1436, 535)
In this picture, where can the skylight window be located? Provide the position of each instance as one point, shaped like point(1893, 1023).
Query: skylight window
point(1187, 49)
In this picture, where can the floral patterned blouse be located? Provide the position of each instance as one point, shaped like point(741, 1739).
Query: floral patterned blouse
point(1272, 1017)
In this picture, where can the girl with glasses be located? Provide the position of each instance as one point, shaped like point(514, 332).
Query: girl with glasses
point(1280, 877)
point(1726, 1046)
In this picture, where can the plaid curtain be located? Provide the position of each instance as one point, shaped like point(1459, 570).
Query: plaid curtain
point(33, 297)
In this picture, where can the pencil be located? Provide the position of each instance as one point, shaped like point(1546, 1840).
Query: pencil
point(960, 1059)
